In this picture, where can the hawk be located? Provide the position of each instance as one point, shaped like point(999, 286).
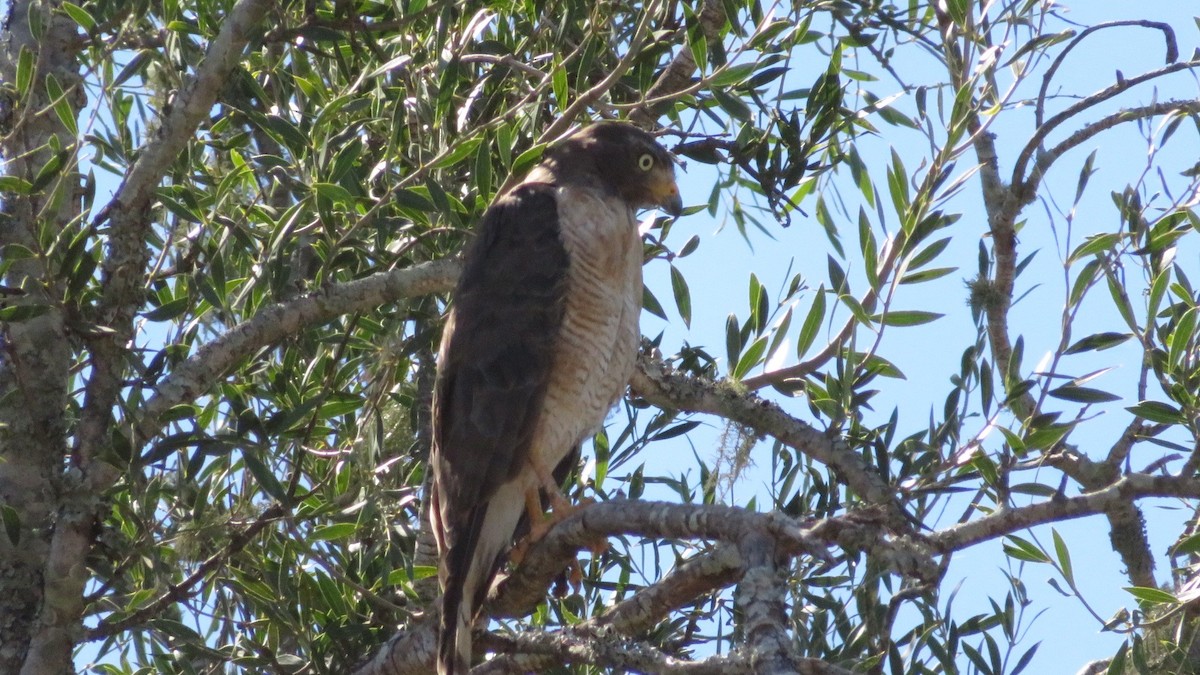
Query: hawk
point(538, 346)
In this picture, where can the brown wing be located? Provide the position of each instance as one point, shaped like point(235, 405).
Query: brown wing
point(496, 358)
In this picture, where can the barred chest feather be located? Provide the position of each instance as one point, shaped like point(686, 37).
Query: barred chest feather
point(599, 335)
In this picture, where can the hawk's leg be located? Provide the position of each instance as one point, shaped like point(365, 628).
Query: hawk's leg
point(540, 523)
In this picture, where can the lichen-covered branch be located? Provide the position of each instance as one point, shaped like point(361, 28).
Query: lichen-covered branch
point(35, 352)
point(1003, 204)
point(677, 392)
point(677, 76)
point(749, 541)
point(196, 375)
point(1122, 492)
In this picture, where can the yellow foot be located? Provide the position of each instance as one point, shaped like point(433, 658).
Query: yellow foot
point(541, 523)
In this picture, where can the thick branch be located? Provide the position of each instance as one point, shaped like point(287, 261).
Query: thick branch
point(196, 376)
point(516, 595)
point(677, 76)
point(668, 390)
point(1007, 521)
point(598, 647)
point(760, 600)
point(36, 353)
point(412, 651)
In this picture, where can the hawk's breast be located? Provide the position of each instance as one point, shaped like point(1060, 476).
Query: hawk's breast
point(598, 341)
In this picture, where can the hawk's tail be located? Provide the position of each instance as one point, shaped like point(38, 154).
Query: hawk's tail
point(454, 638)
point(469, 566)
point(460, 594)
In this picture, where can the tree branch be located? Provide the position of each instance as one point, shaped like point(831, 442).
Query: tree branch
point(114, 624)
point(1007, 521)
point(1026, 184)
point(1047, 158)
point(677, 76)
point(598, 647)
point(1168, 37)
point(744, 533)
point(884, 270)
point(196, 375)
point(668, 390)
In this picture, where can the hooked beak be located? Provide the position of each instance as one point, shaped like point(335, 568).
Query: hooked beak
point(665, 193)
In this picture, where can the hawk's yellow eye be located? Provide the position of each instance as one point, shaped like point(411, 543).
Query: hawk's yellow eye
point(646, 162)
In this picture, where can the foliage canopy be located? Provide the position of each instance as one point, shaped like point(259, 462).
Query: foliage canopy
point(228, 233)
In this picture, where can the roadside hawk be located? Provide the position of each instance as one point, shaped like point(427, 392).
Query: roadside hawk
point(538, 346)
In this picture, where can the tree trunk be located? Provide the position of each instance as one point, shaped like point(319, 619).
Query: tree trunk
point(35, 355)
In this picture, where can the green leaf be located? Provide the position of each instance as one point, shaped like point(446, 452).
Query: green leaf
point(1118, 662)
point(169, 310)
point(394, 63)
point(837, 276)
point(459, 152)
point(1064, 556)
point(401, 576)
point(1153, 596)
point(265, 477)
point(927, 254)
point(733, 105)
point(333, 532)
point(733, 75)
point(779, 332)
point(525, 161)
point(25, 66)
point(22, 312)
point(1156, 411)
point(333, 192)
point(812, 323)
point(907, 318)
point(1186, 546)
point(1098, 342)
point(558, 81)
point(1041, 439)
point(897, 179)
point(683, 297)
point(652, 305)
point(689, 247)
point(1084, 174)
point(1083, 281)
point(81, 17)
point(1025, 659)
point(927, 275)
point(759, 305)
point(1181, 338)
point(12, 524)
point(61, 104)
point(1016, 547)
point(733, 339)
point(1070, 392)
point(1094, 244)
point(15, 185)
point(751, 358)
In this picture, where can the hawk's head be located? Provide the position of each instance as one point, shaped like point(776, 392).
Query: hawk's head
point(622, 159)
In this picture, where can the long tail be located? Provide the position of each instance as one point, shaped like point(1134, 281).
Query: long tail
point(454, 639)
point(469, 566)
point(458, 596)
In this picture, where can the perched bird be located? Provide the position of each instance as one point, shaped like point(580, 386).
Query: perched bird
point(538, 346)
